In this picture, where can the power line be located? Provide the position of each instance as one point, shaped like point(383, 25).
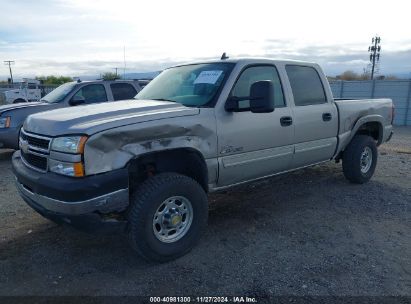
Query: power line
point(9, 63)
point(374, 50)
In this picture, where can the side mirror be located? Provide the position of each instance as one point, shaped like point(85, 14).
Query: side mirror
point(261, 99)
point(77, 100)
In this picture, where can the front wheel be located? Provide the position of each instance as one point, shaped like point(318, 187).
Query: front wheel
point(360, 159)
point(167, 216)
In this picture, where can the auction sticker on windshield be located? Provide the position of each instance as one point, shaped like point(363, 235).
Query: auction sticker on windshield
point(210, 77)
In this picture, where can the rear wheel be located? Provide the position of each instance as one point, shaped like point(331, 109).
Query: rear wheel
point(360, 159)
point(167, 216)
point(19, 100)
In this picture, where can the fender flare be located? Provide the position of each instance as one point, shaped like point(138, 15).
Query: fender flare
point(365, 119)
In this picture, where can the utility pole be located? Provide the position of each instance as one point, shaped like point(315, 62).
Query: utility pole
point(116, 71)
point(9, 63)
point(374, 51)
point(124, 71)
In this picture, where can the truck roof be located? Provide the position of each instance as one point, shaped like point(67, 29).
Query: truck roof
point(105, 81)
point(251, 60)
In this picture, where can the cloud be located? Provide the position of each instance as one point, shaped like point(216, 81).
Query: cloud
point(76, 37)
point(329, 58)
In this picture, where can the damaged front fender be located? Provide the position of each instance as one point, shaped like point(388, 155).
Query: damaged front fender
point(114, 148)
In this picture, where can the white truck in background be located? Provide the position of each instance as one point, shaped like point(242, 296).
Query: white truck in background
point(28, 91)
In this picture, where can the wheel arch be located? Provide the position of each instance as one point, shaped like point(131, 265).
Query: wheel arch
point(186, 161)
point(19, 100)
point(371, 125)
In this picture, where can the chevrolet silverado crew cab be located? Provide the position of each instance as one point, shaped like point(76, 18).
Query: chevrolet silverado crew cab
point(67, 95)
point(197, 128)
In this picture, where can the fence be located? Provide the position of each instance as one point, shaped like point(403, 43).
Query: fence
point(398, 90)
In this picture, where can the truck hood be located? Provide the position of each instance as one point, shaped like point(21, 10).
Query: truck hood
point(22, 105)
point(91, 119)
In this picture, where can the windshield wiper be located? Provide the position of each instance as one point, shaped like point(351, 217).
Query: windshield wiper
point(163, 99)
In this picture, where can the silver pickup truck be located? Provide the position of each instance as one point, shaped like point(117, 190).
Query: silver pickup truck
point(199, 127)
point(67, 95)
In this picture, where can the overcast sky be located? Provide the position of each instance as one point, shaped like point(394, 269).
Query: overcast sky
point(79, 37)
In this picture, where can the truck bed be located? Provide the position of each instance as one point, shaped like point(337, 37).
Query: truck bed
point(352, 110)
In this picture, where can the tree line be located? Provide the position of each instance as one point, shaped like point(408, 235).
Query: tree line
point(347, 75)
point(59, 80)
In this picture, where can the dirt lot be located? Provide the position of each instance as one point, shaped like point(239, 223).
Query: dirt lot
point(305, 233)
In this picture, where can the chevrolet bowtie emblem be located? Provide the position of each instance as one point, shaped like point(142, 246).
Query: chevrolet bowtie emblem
point(24, 146)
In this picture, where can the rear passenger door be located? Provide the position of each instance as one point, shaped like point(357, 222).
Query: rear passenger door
point(122, 91)
point(315, 117)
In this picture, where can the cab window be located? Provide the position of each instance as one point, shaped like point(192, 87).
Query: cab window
point(258, 73)
point(306, 85)
point(92, 93)
point(123, 91)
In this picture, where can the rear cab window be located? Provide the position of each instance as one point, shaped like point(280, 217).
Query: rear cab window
point(306, 85)
point(122, 91)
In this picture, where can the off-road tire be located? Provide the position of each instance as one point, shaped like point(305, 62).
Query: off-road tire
point(352, 159)
point(145, 201)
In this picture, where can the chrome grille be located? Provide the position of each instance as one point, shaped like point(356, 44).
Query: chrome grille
point(35, 161)
point(35, 141)
point(34, 150)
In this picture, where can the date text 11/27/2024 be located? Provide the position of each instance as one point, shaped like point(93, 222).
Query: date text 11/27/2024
point(235, 299)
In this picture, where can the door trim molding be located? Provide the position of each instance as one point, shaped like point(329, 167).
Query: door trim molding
point(250, 157)
point(213, 187)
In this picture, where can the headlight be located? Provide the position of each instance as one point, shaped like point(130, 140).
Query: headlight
point(69, 144)
point(4, 122)
point(70, 169)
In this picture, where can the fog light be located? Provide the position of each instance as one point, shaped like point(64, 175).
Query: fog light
point(64, 168)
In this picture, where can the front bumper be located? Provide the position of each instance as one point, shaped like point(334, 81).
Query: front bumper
point(67, 196)
point(91, 222)
point(9, 138)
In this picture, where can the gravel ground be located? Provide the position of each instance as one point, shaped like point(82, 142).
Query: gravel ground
point(305, 233)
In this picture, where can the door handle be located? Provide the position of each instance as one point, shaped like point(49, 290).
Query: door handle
point(286, 121)
point(327, 116)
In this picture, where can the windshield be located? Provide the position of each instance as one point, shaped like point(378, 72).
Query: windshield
point(59, 93)
point(191, 85)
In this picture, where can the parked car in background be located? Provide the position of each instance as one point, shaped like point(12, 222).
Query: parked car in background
point(67, 95)
point(28, 91)
point(143, 82)
point(195, 128)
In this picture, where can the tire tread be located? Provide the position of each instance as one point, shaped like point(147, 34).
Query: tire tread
point(351, 165)
point(140, 200)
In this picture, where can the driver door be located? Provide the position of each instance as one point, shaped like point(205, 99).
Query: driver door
point(253, 145)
